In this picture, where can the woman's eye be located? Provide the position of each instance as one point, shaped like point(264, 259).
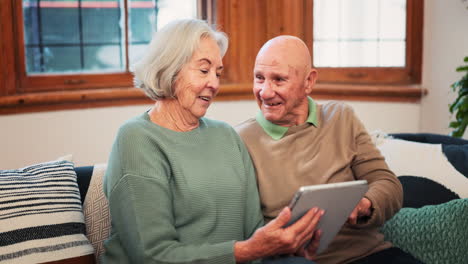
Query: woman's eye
point(204, 71)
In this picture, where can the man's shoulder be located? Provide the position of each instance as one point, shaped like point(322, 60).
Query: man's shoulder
point(248, 128)
point(246, 125)
point(333, 106)
point(334, 109)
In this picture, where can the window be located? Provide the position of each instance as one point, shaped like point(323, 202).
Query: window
point(359, 33)
point(367, 41)
point(350, 42)
point(61, 54)
point(87, 44)
point(88, 36)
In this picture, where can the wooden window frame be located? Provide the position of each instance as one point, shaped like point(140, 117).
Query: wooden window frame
point(248, 24)
point(410, 74)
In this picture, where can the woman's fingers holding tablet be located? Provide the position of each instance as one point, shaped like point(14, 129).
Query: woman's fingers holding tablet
point(305, 227)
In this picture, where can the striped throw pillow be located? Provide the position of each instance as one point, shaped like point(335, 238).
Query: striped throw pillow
point(41, 217)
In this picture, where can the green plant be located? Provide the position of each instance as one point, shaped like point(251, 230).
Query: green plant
point(460, 106)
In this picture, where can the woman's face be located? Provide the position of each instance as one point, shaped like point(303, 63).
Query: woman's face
point(198, 81)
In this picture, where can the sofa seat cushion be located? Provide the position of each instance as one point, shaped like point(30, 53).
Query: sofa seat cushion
point(41, 218)
point(432, 233)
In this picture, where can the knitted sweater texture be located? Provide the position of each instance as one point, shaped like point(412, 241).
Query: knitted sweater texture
point(179, 197)
point(338, 149)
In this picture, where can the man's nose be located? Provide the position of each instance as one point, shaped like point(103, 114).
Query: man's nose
point(267, 90)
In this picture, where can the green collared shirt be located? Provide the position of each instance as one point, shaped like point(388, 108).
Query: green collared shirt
point(276, 131)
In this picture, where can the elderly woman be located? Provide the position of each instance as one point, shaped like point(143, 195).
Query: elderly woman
point(181, 187)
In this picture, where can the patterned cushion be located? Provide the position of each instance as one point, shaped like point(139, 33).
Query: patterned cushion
point(96, 211)
point(41, 218)
point(423, 160)
point(433, 233)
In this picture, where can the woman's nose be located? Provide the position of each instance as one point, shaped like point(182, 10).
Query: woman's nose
point(213, 81)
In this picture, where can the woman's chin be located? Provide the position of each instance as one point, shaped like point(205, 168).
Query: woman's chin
point(199, 114)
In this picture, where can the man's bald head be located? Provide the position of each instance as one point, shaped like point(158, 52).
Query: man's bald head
point(289, 49)
point(283, 78)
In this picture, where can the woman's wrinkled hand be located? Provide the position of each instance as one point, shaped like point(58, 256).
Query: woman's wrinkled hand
point(276, 239)
point(309, 251)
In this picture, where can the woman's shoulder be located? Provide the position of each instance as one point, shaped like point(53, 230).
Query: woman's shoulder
point(134, 124)
point(219, 128)
point(212, 123)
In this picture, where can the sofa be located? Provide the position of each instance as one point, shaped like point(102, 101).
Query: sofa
point(432, 225)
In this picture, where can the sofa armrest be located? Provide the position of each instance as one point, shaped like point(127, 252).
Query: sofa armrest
point(430, 138)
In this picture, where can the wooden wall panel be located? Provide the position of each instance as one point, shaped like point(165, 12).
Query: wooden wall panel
point(249, 24)
point(7, 59)
point(243, 22)
point(414, 41)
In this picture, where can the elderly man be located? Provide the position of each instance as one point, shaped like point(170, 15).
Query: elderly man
point(295, 141)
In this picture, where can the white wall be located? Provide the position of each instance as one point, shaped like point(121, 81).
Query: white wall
point(88, 134)
point(445, 46)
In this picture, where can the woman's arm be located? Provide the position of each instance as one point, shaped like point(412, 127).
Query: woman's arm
point(141, 209)
point(253, 214)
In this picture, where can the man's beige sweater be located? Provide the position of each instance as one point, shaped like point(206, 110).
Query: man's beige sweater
point(336, 149)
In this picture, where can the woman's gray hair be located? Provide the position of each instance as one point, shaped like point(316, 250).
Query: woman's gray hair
point(171, 48)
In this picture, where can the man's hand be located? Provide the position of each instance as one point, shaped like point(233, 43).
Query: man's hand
point(361, 210)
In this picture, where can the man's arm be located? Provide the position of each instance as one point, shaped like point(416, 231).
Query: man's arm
point(385, 191)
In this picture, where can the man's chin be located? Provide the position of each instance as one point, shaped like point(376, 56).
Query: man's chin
point(273, 118)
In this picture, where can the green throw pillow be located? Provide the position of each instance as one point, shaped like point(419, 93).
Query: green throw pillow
point(433, 233)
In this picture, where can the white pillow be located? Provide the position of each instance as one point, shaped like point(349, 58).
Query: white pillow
point(424, 160)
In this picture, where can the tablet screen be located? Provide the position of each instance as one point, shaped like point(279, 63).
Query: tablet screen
point(337, 200)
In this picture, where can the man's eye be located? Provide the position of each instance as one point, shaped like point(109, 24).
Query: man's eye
point(258, 77)
point(279, 79)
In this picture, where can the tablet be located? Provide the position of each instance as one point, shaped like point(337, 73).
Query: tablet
point(337, 200)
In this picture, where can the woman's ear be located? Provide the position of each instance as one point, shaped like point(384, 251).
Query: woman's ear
point(310, 80)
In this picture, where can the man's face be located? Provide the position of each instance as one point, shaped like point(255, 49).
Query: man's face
point(280, 89)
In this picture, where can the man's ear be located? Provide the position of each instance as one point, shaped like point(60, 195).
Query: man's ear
point(310, 80)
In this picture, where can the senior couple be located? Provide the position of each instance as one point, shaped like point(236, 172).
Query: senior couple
point(183, 188)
